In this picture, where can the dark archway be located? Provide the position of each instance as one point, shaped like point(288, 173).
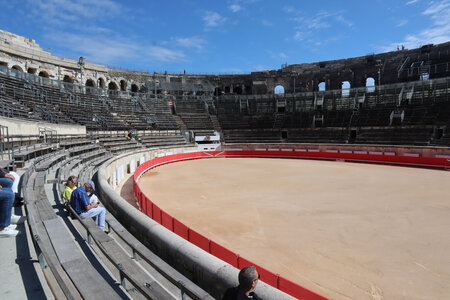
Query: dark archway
point(112, 86)
point(143, 89)
point(134, 88)
point(18, 68)
point(123, 85)
point(90, 83)
point(4, 64)
point(68, 78)
point(32, 70)
point(44, 74)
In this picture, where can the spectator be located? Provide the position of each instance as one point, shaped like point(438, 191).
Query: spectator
point(70, 186)
point(15, 219)
point(248, 279)
point(81, 204)
point(6, 202)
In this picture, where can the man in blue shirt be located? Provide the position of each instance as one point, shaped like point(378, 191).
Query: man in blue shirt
point(82, 205)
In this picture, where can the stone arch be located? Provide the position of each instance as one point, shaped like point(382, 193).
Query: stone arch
point(134, 88)
point(17, 67)
point(237, 90)
point(123, 85)
point(101, 82)
point(112, 86)
point(31, 70)
point(370, 85)
point(44, 73)
point(345, 88)
point(143, 89)
point(322, 86)
point(3, 63)
point(90, 82)
point(68, 78)
point(278, 90)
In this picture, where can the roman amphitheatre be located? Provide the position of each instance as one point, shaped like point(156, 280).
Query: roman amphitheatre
point(333, 193)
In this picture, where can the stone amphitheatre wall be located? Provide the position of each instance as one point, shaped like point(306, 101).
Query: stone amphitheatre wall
point(385, 68)
point(22, 127)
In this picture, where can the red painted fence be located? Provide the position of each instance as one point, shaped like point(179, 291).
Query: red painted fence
point(275, 280)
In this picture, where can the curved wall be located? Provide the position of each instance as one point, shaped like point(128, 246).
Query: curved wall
point(211, 273)
point(174, 225)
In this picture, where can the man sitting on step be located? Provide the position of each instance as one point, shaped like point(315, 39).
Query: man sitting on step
point(82, 205)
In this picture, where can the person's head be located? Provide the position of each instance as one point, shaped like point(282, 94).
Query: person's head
point(72, 181)
point(248, 278)
point(89, 186)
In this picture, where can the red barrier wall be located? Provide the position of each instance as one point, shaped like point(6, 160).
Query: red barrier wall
point(275, 280)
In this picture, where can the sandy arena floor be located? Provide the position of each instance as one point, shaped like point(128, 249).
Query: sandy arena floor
point(344, 230)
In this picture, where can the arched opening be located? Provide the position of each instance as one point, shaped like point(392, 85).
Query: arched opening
point(4, 64)
point(44, 74)
point(134, 88)
point(101, 83)
point(123, 85)
point(370, 85)
point(90, 83)
point(345, 89)
point(18, 68)
point(143, 89)
point(68, 78)
point(31, 70)
point(238, 90)
point(112, 86)
point(321, 86)
point(279, 89)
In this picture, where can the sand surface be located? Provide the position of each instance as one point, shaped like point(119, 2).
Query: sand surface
point(344, 230)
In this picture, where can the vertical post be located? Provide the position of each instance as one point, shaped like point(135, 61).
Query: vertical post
point(183, 294)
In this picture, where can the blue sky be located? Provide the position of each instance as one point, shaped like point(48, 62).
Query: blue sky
point(228, 36)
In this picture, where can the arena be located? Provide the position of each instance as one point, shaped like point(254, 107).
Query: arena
point(373, 220)
point(332, 192)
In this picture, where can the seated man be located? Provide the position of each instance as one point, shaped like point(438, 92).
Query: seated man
point(248, 279)
point(82, 205)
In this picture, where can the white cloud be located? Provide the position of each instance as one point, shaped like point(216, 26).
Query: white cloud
point(438, 32)
point(402, 23)
point(213, 19)
point(164, 54)
point(68, 11)
point(110, 50)
point(299, 36)
point(191, 42)
point(412, 2)
point(321, 20)
point(344, 21)
point(261, 68)
point(235, 8)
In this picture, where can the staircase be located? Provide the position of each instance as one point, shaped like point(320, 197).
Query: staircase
point(216, 123)
point(278, 121)
point(424, 70)
point(180, 122)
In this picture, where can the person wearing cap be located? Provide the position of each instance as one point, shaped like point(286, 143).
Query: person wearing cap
point(82, 205)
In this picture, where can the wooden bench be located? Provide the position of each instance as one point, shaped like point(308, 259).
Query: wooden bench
point(74, 277)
